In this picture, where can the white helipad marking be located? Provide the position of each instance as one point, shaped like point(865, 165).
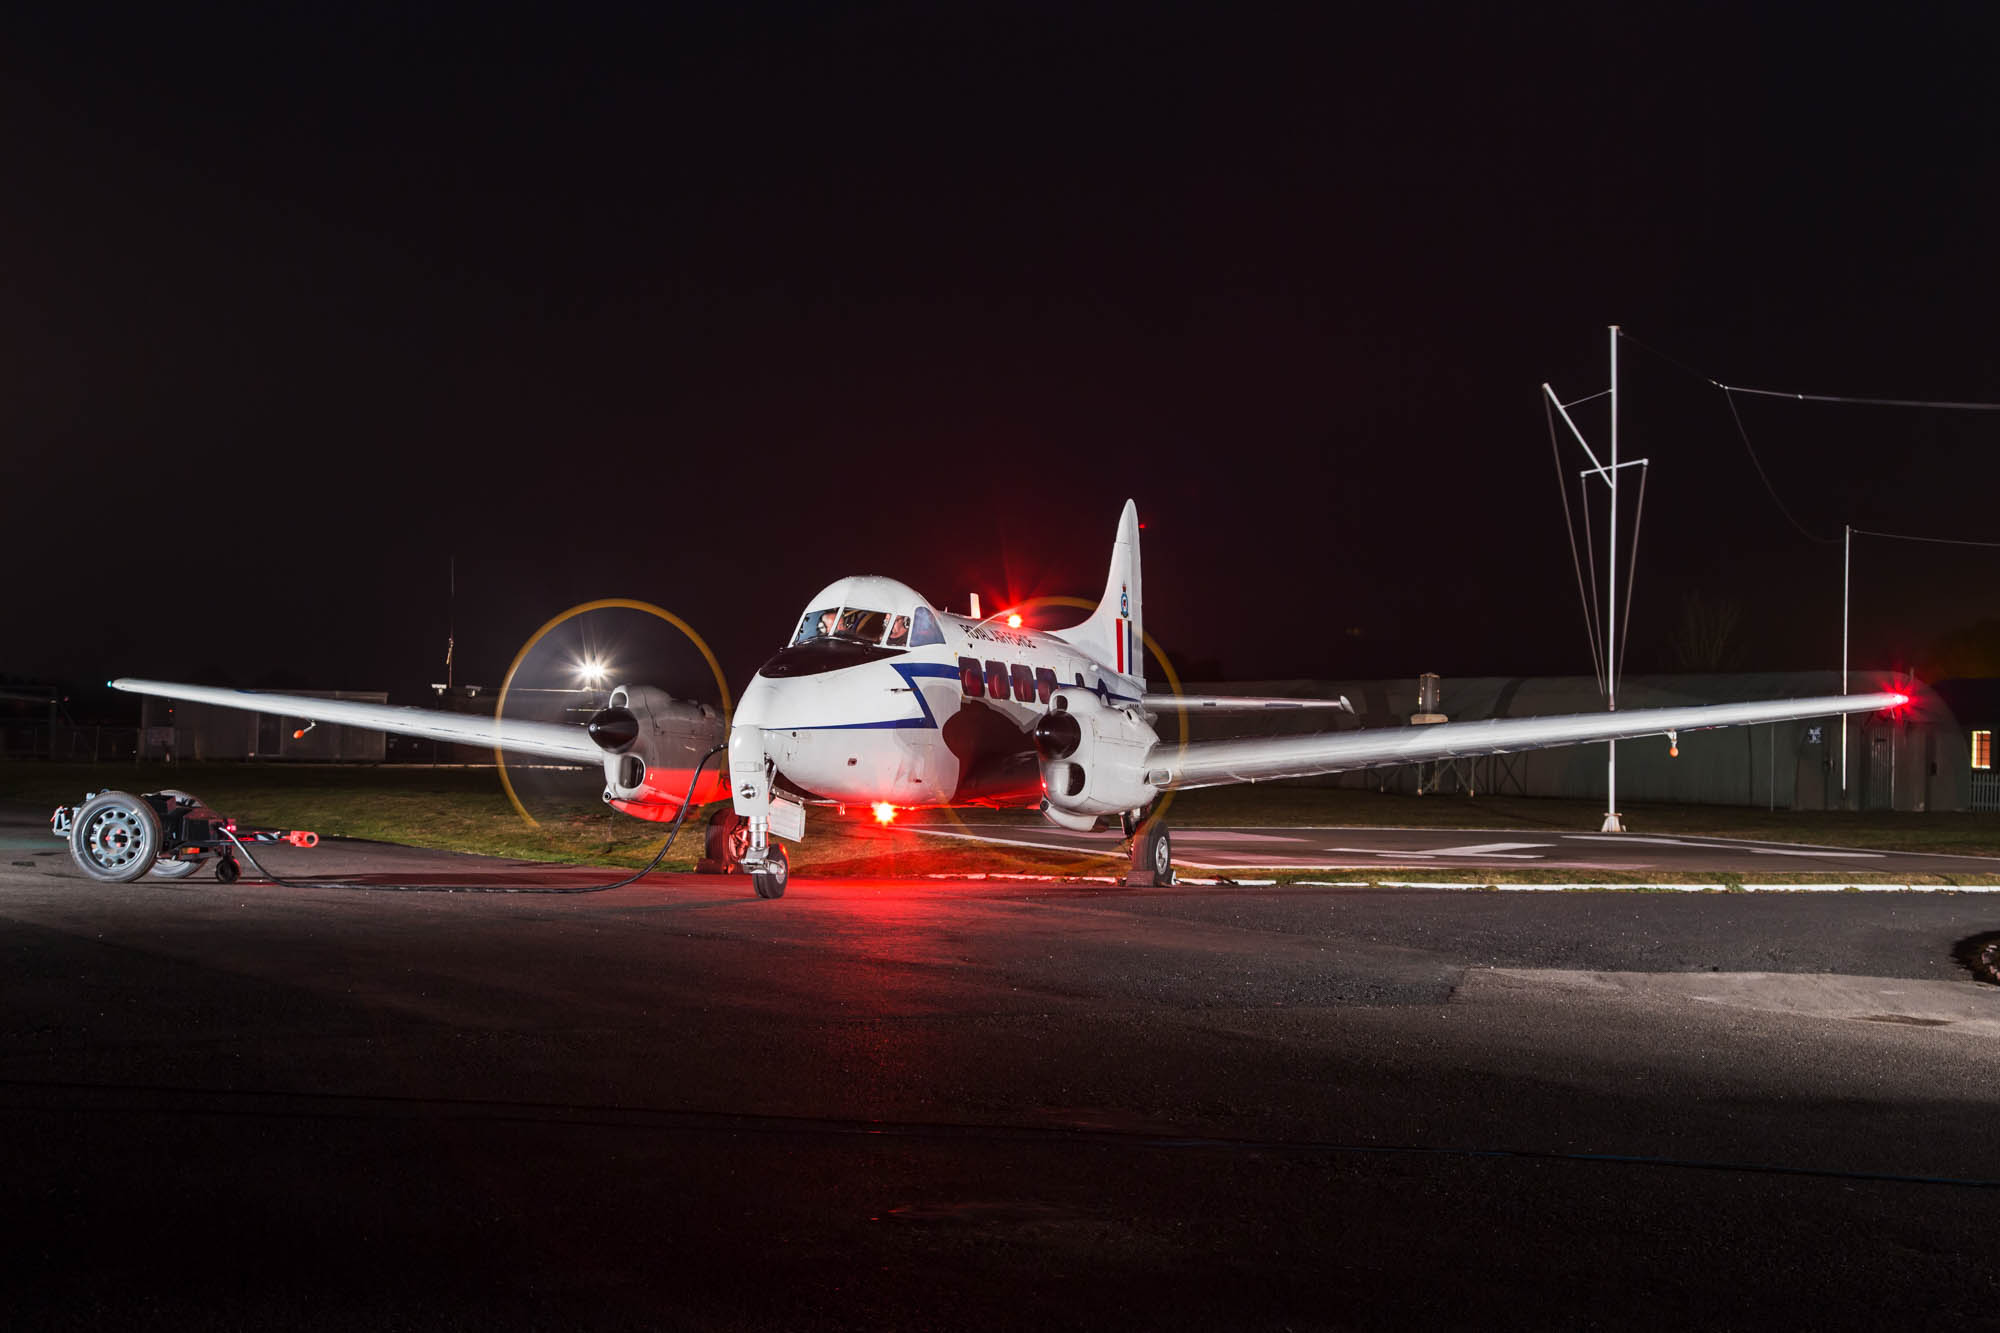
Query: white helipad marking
point(1785, 851)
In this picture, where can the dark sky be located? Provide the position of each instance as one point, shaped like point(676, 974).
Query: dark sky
point(711, 305)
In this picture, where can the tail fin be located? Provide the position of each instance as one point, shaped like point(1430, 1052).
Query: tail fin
point(1115, 633)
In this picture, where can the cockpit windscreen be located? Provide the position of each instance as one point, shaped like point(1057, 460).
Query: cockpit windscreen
point(854, 624)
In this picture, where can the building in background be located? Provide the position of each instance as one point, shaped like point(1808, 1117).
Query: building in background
point(172, 729)
point(1919, 759)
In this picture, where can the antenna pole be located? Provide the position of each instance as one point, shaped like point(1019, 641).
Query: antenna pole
point(1611, 822)
point(1846, 572)
point(450, 616)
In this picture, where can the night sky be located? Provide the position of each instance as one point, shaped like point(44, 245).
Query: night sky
point(709, 306)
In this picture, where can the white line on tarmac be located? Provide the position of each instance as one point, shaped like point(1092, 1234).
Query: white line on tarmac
point(1783, 851)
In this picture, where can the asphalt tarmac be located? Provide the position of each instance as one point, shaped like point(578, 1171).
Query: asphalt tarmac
point(991, 1104)
point(1296, 848)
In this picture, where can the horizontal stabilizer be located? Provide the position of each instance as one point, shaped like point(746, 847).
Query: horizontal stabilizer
point(1235, 703)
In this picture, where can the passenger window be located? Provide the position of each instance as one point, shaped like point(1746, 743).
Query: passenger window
point(924, 629)
point(970, 678)
point(996, 680)
point(1024, 684)
point(899, 631)
point(1045, 684)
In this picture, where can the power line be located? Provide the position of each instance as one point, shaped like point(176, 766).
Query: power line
point(1941, 404)
point(1906, 537)
point(1863, 402)
point(1763, 476)
point(1729, 392)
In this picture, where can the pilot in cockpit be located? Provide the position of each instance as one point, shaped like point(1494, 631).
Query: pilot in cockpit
point(899, 632)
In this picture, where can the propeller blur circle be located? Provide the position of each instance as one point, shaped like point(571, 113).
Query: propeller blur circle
point(564, 668)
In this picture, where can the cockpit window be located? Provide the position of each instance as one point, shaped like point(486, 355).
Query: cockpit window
point(861, 626)
point(858, 624)
point(818, 624)
point(924, 628)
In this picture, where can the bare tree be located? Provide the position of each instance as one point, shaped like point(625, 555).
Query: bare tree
point(1706, 639)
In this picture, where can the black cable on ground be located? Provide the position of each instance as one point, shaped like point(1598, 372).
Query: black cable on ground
point(651, 866)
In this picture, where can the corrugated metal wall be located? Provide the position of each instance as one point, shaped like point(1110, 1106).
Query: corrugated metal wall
point(1919, 761)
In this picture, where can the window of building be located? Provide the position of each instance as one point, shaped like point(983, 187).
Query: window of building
point(1982, 749)
point(1024, 684)
point(996, 680)
point(970, 678)
point(924, 628)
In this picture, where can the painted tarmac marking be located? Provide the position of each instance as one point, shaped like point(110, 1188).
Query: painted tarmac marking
point(1781, 851)
point(1506, 849)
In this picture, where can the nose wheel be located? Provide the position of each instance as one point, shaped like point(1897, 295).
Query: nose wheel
point(770, 881)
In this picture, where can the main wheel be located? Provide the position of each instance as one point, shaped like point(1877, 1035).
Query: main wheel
point(115, 837)
point(175, 869)
point(728, 839)
point(771, 883)
point(1156, 853)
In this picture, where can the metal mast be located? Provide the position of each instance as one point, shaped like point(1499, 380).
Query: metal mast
point(1846, 569)
point(1611, 824)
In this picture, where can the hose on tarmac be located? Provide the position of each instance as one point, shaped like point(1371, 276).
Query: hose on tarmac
point(673, 831)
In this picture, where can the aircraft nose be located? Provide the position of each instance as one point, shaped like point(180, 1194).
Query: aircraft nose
point(754, 708)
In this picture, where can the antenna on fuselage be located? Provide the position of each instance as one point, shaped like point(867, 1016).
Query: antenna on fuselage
point(975, 607)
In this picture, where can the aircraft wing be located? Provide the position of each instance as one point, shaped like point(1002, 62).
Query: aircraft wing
point(1235, 703)
point(1214, 763)
point(550, 740)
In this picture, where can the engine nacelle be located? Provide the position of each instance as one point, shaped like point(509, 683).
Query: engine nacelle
point(1093, 758)
point(651, 743)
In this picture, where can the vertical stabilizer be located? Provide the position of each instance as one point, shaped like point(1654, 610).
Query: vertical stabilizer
point(1115, 633)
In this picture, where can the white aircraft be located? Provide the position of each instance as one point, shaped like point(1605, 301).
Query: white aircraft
point(880, 697)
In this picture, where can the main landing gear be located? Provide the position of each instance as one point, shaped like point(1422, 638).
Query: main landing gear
point(1152, 865)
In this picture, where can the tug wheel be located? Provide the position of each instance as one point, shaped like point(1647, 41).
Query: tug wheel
point(771, 883)
point(115, 837)
point(175, 869)
point(226, 870)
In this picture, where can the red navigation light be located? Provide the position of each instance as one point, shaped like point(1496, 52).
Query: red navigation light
point(885, 814)
point(1014, 620)
point(1898, 700)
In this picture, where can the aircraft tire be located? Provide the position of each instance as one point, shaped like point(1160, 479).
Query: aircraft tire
point(115, 837)
point(727, 838)
point(771, 883)
point(1156, 854)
